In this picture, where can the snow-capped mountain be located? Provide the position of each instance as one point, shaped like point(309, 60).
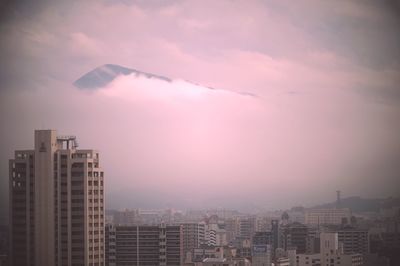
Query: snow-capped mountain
point(101, 76)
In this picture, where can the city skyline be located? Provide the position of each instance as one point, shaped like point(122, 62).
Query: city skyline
point(57, 217)
point(265, 104)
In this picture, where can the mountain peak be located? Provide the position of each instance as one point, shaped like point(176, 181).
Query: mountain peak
point(103, 75)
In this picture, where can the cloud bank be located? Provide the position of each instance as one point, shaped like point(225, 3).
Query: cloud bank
point(326, 116)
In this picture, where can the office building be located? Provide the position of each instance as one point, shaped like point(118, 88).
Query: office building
point(147, 245)
point(331, 254)
point(295, 236)
point(275, 234)
point(193, 236)
point(56, 203)
point(354, 240)
point(312, 240)
point(262, 238)
point(110, 245)
point(232, 229)
point(261, 255)
point(247, 227)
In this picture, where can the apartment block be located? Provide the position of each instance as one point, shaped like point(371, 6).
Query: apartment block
point(147, 245)
point(193, 236)
point(56, 203)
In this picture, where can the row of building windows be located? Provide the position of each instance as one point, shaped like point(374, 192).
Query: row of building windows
point(95, 191)
point(96, 216)
point(96, 208)
point(96, 200)
point(95, 174)
point(95, 183)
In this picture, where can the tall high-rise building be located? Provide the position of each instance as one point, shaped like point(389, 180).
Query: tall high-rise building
point(56, 203)
point(275, 236)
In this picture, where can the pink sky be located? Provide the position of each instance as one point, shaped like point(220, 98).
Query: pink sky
point(325, 117)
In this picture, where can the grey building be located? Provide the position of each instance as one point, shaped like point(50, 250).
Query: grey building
point(354, 240)
point(295, 236)
point(146, 245)
point(193, 236)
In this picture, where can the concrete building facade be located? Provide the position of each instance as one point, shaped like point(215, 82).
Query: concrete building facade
point(56, 203)
point(261, 255)
point(327, 216)
point(193, 236)
point(331, 254)
point(148, 245)
point(354, 240)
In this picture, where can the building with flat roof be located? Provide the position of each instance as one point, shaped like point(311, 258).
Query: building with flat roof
point(354, 240)
point(294, 235)
point(327, 216)
point(193, 236)
point(56, 203)
point(146, 245)
point(331, 254)
point(261, 255)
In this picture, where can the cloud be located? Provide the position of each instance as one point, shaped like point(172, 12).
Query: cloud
point(326, 76)
point(82, 45)
point(178, 141)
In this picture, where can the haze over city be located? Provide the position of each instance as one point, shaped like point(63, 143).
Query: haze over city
point(265, 104)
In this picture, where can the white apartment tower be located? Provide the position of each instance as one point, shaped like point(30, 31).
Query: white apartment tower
point(56, 204)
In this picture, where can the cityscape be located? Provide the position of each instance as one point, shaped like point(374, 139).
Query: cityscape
point(58, 217)
point(200, 133)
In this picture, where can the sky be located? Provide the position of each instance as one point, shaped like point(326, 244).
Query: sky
point(306, 97)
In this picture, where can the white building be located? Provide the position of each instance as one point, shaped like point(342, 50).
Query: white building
point(193, 237)
point(215, 235)
point(327, 216)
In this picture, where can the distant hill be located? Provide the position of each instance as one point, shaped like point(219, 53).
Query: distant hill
point(103, 75)
point(358, 204)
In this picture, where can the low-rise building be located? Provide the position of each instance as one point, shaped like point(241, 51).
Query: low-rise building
point(327, 216)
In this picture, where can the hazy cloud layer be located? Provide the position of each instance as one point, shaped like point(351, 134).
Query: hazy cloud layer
point(326, 116)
